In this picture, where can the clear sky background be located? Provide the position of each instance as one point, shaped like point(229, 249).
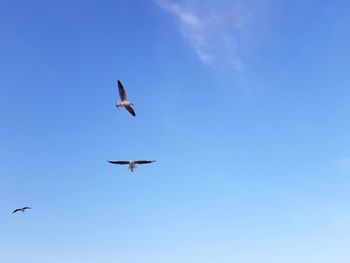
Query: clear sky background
point(244, 105)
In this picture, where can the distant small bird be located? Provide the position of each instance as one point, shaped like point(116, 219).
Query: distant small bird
point(132, 164)
point(124, 101)
point(21, 209)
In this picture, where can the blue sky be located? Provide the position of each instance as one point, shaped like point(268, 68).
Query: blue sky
point(244, 105)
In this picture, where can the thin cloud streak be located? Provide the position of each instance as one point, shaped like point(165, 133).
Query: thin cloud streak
point(214, 33)
point(192, 28)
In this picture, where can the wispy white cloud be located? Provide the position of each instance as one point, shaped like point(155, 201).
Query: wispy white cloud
point(193, 28)
point(215, 31)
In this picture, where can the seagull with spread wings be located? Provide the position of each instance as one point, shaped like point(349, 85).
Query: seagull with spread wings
point(21, 209)
point(124, 101)
point(132, 164)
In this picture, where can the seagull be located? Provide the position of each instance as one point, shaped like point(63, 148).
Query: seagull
point(132, 164)
point(124, 101)
point(21, 209)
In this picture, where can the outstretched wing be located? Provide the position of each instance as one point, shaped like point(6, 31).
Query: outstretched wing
point(122, 93)
point(16, 211)
point(119, 162)
point(131, 110)
point(27, 207)
point(143, 162)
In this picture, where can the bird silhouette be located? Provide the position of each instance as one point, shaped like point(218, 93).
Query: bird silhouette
point(124, 100)
point(132, 164)
point(21, 209)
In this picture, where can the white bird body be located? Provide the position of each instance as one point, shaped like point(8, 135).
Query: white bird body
point(124, 103)
point(132, 165)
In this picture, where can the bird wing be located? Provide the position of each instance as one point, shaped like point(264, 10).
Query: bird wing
point(27, 207)
point(131, 110)
point(143, 162)
point(121, 89)
point(16, 211)
point(119, 162)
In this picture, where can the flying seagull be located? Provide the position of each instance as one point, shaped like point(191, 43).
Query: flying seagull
point(132, 164)
point(124, 101)
point(21, 209)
